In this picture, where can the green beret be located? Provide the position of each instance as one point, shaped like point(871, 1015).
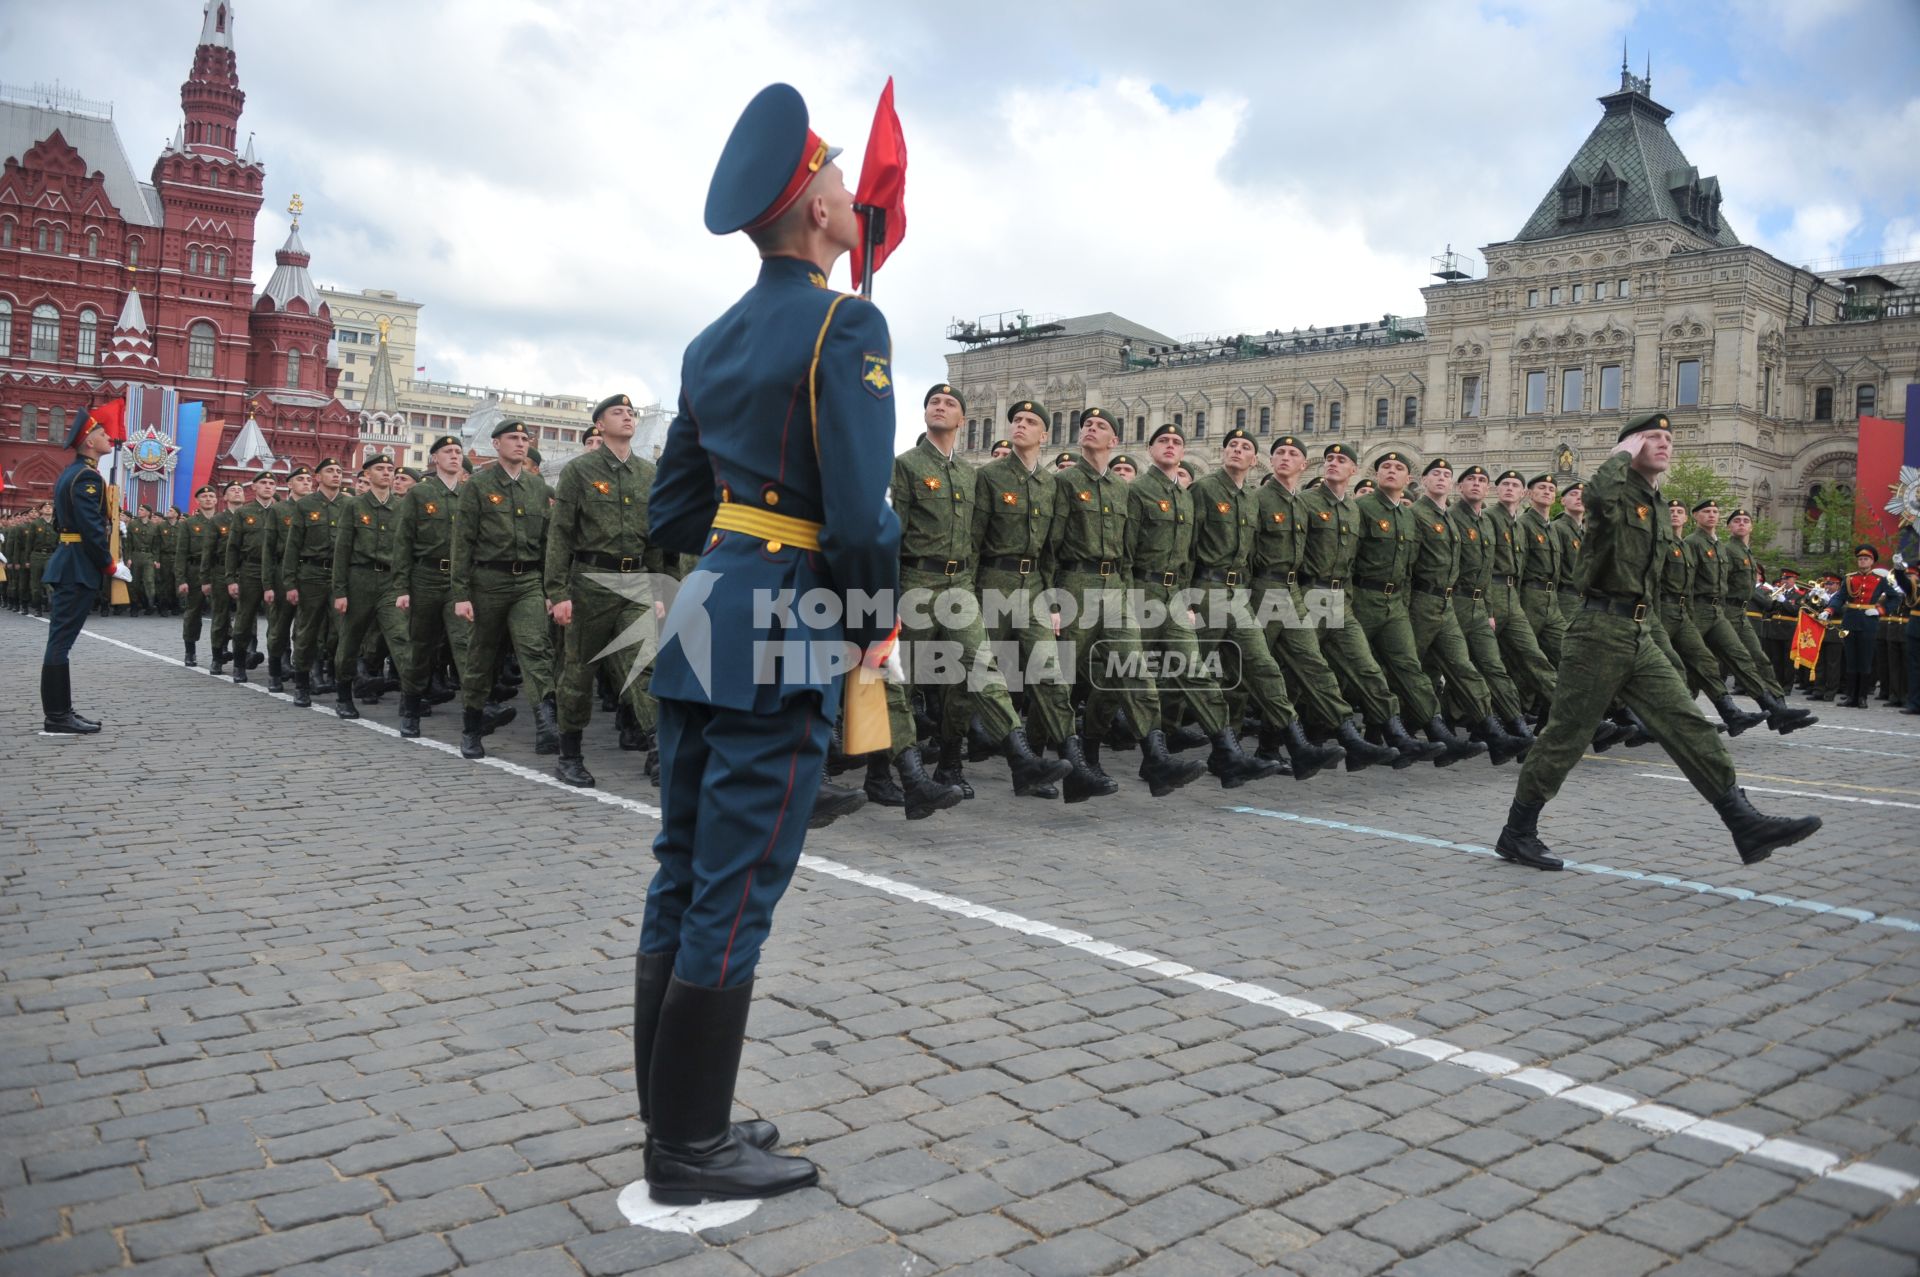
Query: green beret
point(374, 459)
point(1122, 459)
point(1438, 463)
point(1166, 428)
point(410, 472)
point(1385, 457)
point(1540, 478)
point(1065, 458)
point(944, 389)
point(1708, 504)
point(1188, 467)
point(1738, 514)
point(1365, 486)
point(1231, 435)
point(1475, 472)
point(298, 471)
point(997, 444)
point(205, 489)
point(324, 462)
point(1645, 421)
point(508, 425)
point(235, 483)
point(1287, 441)
point(1311, 483)
point(1514, 475)
point(1676, 504)
point(1575, 486)
point(1099, 414)
point(611, 401)
point(466, 464)
point(594, 432)
point(1337, 450)
point(442, 442)
point(533, 455)
point(1026, 405)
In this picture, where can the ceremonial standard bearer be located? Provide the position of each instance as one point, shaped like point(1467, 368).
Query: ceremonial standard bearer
point(80, 564)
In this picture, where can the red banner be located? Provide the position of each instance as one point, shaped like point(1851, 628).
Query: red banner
point(1808, 635)
point(883, 182)
point(1882, 449)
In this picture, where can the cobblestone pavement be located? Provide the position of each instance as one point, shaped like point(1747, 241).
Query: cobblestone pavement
point(283, 994)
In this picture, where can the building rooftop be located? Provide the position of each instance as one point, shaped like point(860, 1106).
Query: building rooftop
point(28, 116)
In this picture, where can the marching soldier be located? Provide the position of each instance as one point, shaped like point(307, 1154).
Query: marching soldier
point(1541, 570)
point(166, 531)
point(280, 611)
point(306, 567)
point(1736, 553)
point(189, 554)
point(1709, 611)
point(1567, 528)
point(363, 595)
point(1611, 656)
point(423, 579)
point(598, 531)
point(213, 572)
point(499, 522)
point(1520, 647)
point(1476, 536)
point(244, 573)
point(1676, 634)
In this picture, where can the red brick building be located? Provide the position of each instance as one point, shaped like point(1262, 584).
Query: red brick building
point(79, 232)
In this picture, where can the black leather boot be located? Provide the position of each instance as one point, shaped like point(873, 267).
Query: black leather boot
point(924, 795)
point(1606, 736)
point(409, 715)
point(56, 703)
point(191, 662)
point(1782, 717)
point(880, 787)
point(1736, 719)
point(572, 767)
point(219, 660)
point(1638, 733)
point(1084, 778)
point(1395, 733)
point(1454, 748)
point(343, 699)
point(276, 673)
point(1030, 770)
point(1305, 757)
point(302, 690)
point(950, 771)
point(1757, 836)
point(546, 729)
point(240, 666)
point(693, 1154)
point(628, 727)
point(1270, 741)
point(651, 974)
point(1233, 766)
point(1361, 752)
point(1186, 737)
point(1163, 772)
point(255, 655)
point(472, 731)
point(1501, 748)
point(834, 801)
point(323, 681)
point(494, 716)
point(1520, 840)
point(979, 748)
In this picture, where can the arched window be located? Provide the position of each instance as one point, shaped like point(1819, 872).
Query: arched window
point(1333, 416)
point(1059, 427)
point(133, 252)
point(1865, 399)
point(1266, 421)
point(6, 327)
point(1239, 418)
point(46, 333)
point(1412, 417)
point(220, 263)
point(42, 236)
point(293, 370)
point(89, 337)
point(1306, 418)
point(193, 261)
point(200, 344)
point(6, 233)
point(1380, 413)
point(59, 239)
point(93, 243)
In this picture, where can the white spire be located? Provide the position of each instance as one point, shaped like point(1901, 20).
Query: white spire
point(250, 446)
point(248, 157)
point(130, 346)
point(216, 23)
point(133, 317)
point(179, 138)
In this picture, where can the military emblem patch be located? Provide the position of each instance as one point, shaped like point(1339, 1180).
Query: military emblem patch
point(1325, 515)
point(91, 489)
point(1220, 506)
point(1439, 527)
point(1473, 534)
point(604, 488)
point(815, 278)
point(1576, 543)
point(1165, 506)
point(313, 516)
point(932, 482)
point(1539, 538)
point(1385, 524)
point(874, 375)
point(1639, 512)
point(366, 520)
point(1086, 496)
point(1278, 517)
point(495, 497)
point(249, 520)
point(1709, 554)
point(432, 508)
point(1011, 498)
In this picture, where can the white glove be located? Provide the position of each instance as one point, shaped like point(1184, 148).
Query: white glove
point(121, 572)
point(1885, 574)
point(1873, 611)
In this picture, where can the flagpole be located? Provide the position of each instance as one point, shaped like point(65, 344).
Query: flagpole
point(875, 222)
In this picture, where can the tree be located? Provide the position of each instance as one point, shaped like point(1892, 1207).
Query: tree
point(1692, 482)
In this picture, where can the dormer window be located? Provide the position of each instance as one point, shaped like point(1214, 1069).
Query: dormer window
point(1573, 202)
point(1607, 198)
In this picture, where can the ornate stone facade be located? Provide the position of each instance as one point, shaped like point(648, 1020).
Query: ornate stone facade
point(1624, 293)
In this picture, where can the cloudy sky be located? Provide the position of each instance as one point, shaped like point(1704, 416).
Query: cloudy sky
point(534, 170)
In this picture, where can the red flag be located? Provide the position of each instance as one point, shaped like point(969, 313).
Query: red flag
point(112, 416)
point(1807, 637)
point(1881, 446)
point(883, 183)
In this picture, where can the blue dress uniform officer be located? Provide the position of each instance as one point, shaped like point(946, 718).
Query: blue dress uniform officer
point(80, 564)
point(775, 473)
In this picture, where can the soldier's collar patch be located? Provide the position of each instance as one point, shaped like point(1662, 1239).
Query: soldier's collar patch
point(815, 278)
point(932, 482)
point(874, 375)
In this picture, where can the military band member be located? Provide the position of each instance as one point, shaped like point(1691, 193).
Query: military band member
point(244, 574)
point(280, 612)
point(1866, 594)
point(81, 563)
point(1911, 590)
point(306, 567)
point(1611, 655)
point(423, 579)
point(213, 573)
point(189, 556)
point(499, 524)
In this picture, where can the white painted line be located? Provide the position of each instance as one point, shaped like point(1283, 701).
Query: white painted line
point(1849, 749)
point(1631, 875)
point(1871, 731)
point(1814, 1161)
point(1799, 793)
point(1654, 1117)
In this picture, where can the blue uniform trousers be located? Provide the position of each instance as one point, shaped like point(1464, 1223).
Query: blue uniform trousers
point(70, 604)
point(736, 789)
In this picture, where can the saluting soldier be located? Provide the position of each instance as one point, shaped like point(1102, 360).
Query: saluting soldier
point(423, 579)
point(1382, 574)
point(934, 496)
point(1014, 503)
point(1227, 525)
point(598, 529)
point(213, 571)
point(306, 567)
point(189, 558)
point(244, 574)
point(1610, 656)
point(499, 522)
point(1676, 634)
point(280, 611)
point(1280, 597)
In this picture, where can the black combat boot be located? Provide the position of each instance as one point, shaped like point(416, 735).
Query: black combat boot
point(1638, 733)
point(880, 788)
point(1186, 737)
point(326, 681)
point(1520, 840)
point(1606, 736)
point(1084, 778)
point(1454, 749)
point(693, 1152)
point(192, 663)
point(1233, 766)
point(1501, 748)
point(1162, 772)
point(1305, 757)
point(1757, 836)
point(302, 689)
point(979, 747)
point(572, 766)
point(1736, 719)
point(343, 699)
point(276, 673)
point(651, 974)
point(409, 715)
point(1361, 752)
point(1030, 770)
point(834, 801)
point(494, 716)
point(924, 795)
point(255, 655)
point(472, 730)
point(546, 729)
point(1782, 717)
point(219, 660)
point(1395, 733)
point(240, 666)
point(949, 770)
point(56, 704)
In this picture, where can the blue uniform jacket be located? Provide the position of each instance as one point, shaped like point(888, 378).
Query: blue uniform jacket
point(80, 505)
point(786, 404)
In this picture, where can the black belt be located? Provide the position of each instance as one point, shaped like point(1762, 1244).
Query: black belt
point(1708, 599)
point(1388, 588)
point(1166, 580)
point(1634, 608)
point(519, 567)
point(1290, 580)
point(1098, 567)
point(317, 560)
point(1680, 599)
point(1011, 563)
point(373, 567)
point(609, 562)
point(1511, 582)
point(1438, 591)
point(1569, 592)
point(1327, 582)
point(439, 565)
point(1226, 576)
point(1537, 585)
point(947, 567)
